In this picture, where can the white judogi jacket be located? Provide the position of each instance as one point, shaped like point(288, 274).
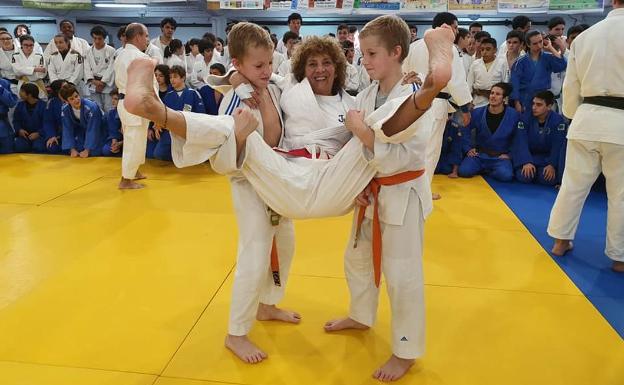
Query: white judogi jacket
point(100, 65)
point(70, 68)
point(24, 69)
point(190, 64)
point(592, 52)
point(6, 68)
point(36, 49)
point(176, 60)
point(352, 82)
point(126, 56)
point(278, 59)
point(284, 68)
point(393, 157)
point(200, 73)
point(479, 78)
point(76, 43)
point(156, 42)
point(155, 53)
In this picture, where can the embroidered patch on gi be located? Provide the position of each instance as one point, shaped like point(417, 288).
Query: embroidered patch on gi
point(520, 125)
point(404, 339)
point(561, 127)
point(187, 107)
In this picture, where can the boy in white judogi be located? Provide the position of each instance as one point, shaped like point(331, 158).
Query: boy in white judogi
point(66, 28)
point(29, 67)
point(6, 56)
point(65, 63)
point(402, 205)
point(485, 72)
point(99, 70)
point(201, 68)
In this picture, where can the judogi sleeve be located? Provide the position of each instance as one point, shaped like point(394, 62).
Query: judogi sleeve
point(7, 97)
point(458, 86)
point(572, 98)
point(108, 75)
point(516, 74)
point(556, 64)
point(68, 130)
point(205, 134)
point(113, 125)
point(18, 121)
point(77, 74)
point(94, 129)
point(558, 140)
point(520, 152)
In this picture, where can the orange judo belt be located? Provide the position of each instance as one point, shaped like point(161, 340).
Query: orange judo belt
point(275, 218)
point(375, 186)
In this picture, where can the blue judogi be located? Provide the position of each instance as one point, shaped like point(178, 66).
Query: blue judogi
point(53, 124)
point(541, 146)
point(491, 145)
point(30, 119)
point(113, 126)
point(208, 95)
point(7, 101)
point(188, 100)
point(454, 147)
point(529, 77)
point(85, 133)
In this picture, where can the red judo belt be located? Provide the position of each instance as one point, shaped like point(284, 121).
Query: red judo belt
point(375, 186)
point(297, 153)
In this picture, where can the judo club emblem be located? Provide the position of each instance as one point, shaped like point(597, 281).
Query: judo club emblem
point(341, 118)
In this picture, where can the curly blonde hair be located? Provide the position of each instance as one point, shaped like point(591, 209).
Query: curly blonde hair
point(315, 45)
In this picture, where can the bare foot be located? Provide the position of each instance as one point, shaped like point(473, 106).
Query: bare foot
point(439, 43)
point(273, 313)
point(561, 247)
point(453, 175)
point(140, 98)
point(393, 369)
point(436, 196)
point(342, 324)
point(128, 184)
point(244, 349)
point(618, 266)
point(139, 176)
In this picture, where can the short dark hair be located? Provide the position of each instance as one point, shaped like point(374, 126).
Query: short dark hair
point(68, 90)
point(23, 38)
point(520, 21)
point(114, 92)
point(575, 30)
point(489, 40)
point(61, 36)
point(121, 32)
point(443, 18)
point(461, 33)
point(517, 34)
point(482, 35)
point(331, 34)
point(169, 20)
point(98, 30)
point(163, 69)
point(288, 36)
point(555, 21)
point(173, 46)
point(347, 44)
point(218, 66)
point(294, 16)
point(265, 28)
point(30, 89)
point(56, 85)
point(341, 27)
point(530, 35)
point(352, 29)
point(210, 36)
point(205, 44)
point(66, 21)
point(22, 26)
point(546, 96)
point(178, 70)
point(476, 24)
point(410, 26)
point(506, 87)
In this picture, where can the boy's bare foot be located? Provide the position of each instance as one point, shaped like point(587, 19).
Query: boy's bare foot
point(244, 349)
point(453, 175)
point(439, 43)
point(139, 176)
point(561, 247)
point(129, 184)
point(436, 196)
point(393, 369)
point(140, 98)
point(273, 313)
point(618, 266)
point(342, 324)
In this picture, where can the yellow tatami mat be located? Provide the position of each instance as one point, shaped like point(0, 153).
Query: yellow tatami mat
point(100, 286)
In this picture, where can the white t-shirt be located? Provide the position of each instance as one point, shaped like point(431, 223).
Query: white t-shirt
point(76, 113)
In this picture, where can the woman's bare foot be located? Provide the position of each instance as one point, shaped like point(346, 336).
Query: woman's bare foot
point(436, 196)
point(129, 184)
point(439, 43)
point(244, 349)
point(393, 369)
point(561, 247)
point(342, 324)
point(140, 98)
point(273, 313)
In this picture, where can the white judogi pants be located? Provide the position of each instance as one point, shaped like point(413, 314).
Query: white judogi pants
point(439, 113)
point(584, 162)
point(135, 142)
point(401, 264)
point(102, 99)
point(253, 280)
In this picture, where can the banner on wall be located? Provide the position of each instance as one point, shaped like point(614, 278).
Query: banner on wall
point(378, 5)
point(241, 4)
point(57, 4)
point(523, 6)
point(433, 6)
point(279, 5)
point(576, 6)
point(478, 7)
point(330, 5)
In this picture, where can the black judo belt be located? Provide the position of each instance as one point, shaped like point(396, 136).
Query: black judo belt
point(605, 101)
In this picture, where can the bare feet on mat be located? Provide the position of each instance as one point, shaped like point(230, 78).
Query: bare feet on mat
point(273, 313)
point(439, 43)
point(129, 184)
point(436, 196)
point(140, 98)
point(618, 266)
point(393, 369)
point(139, 176)
point(343, 324)
point(561, 247)
point(244, 349)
